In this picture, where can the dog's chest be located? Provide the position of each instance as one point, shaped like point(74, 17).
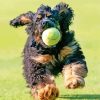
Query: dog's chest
point(52, 57)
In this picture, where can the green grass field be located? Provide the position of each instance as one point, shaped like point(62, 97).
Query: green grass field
point(87, 27)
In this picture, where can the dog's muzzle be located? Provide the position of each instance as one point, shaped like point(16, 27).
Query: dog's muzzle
point(46, 23)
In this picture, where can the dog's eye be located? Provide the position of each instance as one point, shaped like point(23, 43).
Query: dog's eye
point(39, 16)
point(48, 14)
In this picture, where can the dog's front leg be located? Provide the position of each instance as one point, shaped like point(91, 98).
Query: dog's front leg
point(46, 90)
point(74, 74)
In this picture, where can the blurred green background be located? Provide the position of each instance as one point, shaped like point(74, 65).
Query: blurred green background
point(86, 25)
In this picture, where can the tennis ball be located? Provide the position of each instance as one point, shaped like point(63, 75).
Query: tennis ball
point(51, 36)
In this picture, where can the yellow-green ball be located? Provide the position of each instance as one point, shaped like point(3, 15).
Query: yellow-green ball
point(51, 36)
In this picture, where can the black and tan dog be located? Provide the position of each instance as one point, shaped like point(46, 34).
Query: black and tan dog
point(42, 63)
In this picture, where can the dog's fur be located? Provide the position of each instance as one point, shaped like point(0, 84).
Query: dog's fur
point(42, 63)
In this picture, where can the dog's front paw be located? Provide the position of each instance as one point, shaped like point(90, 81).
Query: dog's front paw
point(49, 92)
point(74, 82)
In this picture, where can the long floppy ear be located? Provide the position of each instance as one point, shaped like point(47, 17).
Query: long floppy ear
point(65, 15)
point(23, 19)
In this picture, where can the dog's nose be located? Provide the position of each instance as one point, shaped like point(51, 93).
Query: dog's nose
point(47, 24)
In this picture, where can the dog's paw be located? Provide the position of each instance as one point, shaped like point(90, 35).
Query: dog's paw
point(49, 92)
point(74, 82)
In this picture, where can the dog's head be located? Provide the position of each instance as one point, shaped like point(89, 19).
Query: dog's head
point(45, 18)
point(59, 17)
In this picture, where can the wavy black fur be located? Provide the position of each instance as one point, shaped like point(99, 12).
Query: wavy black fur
point(59, 17)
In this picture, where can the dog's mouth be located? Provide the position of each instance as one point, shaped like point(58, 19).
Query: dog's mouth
point(41, 27)
point(47, 23)
point(52, 25)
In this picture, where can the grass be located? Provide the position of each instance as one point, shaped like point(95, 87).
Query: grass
point(86, 25)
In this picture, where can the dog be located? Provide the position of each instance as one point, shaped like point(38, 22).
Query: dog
point(41, 62)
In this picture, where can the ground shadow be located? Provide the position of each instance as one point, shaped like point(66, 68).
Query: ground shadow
point(81, 97)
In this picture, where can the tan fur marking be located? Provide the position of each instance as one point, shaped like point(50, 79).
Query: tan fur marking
point(48, 92)
point(39, 16)
point(63, 10)
point(74, 75)
point(65, 52)
point(37, 38)
point(48, 14)
point(43, 58)
point(25, 20)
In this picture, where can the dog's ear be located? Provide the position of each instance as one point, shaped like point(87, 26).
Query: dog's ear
point(23, 19)
point(65, 15)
